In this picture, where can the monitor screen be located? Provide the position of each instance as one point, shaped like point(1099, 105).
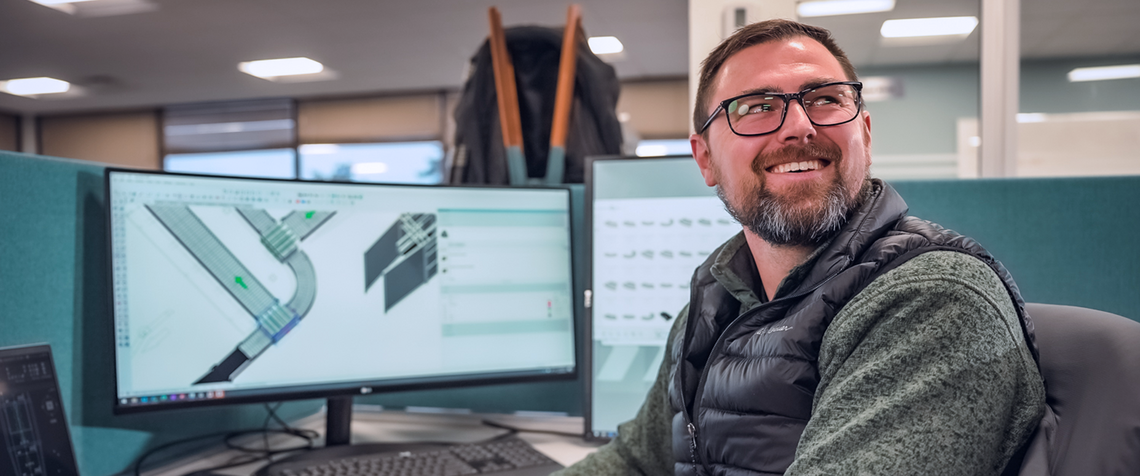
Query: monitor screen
point(652, 222)
point(238, 289)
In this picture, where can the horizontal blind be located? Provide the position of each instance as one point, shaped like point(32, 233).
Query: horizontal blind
point(228, 126)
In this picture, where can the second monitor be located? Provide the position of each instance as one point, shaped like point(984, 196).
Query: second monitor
point(652, 222)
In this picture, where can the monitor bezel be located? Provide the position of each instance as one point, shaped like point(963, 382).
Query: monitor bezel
point(348, 388)
point(587, 365)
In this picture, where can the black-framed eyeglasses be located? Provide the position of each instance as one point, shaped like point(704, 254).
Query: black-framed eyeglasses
point(756, 114)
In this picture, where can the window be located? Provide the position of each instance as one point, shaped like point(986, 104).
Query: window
point(387, 162)
point(271, 163)
point(349, 140)
point(662, 147)
point(241, 138)
point(1079, 110)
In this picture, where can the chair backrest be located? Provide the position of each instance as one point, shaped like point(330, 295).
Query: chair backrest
point(1091, 364)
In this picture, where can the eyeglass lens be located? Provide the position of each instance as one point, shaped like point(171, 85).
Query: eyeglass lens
point(762, 113)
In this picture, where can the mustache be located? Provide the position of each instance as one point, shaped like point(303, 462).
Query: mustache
point(796, 153)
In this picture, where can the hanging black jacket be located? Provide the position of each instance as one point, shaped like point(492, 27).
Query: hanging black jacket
point(535, 53)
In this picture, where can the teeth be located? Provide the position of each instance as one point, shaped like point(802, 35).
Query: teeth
point(797, 166)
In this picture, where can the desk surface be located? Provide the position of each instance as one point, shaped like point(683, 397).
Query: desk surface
point(402, 427)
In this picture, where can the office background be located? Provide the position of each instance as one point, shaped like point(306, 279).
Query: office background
point(141, 72)
point(380, 88)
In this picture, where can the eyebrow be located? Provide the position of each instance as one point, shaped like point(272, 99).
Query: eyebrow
point(811, 83)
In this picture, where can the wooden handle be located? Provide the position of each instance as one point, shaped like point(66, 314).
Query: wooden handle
point(505, 92)
point(564, 95)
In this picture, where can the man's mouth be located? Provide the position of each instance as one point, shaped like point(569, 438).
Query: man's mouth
point(798, 167)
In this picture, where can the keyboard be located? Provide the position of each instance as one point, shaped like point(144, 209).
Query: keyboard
point(503, 457)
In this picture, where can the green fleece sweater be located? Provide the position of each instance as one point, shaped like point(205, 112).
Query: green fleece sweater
point(924, 372)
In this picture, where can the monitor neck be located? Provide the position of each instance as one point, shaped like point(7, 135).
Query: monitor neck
point(338, 421)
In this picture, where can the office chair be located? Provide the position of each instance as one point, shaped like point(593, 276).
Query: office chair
point(1091, 363)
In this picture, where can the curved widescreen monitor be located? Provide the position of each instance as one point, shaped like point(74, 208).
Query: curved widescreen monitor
point(231, 290)
point(652, 222)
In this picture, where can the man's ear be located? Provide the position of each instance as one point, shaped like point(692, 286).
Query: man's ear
point(704, 158)
point(867, 134)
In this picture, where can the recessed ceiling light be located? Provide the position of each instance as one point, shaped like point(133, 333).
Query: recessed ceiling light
point(48, 3)
point(605, 45)
point(1102, 73)
point(919, 27)
point(34, 86)
point(274, 68)
point(843, 7)
point(100, 8)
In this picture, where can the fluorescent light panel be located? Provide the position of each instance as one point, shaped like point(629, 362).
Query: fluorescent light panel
point(919, 27)
point(1102, 73)
point(48, 3)
point(35, 86)
point(605, 45)
point(100, 8)
point(843, 7)
point(273, 68)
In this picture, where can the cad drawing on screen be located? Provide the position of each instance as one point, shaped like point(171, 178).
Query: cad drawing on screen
point(282, 239)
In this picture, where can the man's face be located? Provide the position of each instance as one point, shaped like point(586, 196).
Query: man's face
point(752, 175)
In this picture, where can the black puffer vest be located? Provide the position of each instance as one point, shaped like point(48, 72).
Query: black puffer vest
point(727, 359)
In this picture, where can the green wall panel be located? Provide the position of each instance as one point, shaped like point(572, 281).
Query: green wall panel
point(53, 281)
point(1065, 240)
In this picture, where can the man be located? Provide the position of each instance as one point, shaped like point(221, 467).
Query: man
point(834, 335)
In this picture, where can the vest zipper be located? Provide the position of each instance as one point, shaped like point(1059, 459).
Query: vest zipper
point(699, 395)
point(693, 442)
point(701, 465)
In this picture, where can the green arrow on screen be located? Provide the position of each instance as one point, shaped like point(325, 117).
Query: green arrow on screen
point(309, 214)
point(237, 279)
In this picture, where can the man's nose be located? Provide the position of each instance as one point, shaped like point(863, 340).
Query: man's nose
point(797, 127)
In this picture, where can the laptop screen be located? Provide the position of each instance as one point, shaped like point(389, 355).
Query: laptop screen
point(34, 435)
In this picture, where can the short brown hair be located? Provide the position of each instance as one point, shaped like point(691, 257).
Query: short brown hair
point(755, 34)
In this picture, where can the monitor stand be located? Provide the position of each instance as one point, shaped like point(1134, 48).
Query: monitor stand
point(338, 421)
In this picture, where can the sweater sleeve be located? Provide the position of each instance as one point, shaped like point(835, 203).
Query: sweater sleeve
point(643, 445)
point(925, 372)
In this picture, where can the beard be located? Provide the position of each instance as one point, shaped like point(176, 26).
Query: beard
point(802, 215)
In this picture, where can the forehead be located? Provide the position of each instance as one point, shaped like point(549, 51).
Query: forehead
point(787, 65)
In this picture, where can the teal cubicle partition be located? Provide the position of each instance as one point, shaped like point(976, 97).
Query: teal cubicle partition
point(53, 288)
point(1065, 240)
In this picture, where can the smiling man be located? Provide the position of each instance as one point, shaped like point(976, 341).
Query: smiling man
point(834, 335)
